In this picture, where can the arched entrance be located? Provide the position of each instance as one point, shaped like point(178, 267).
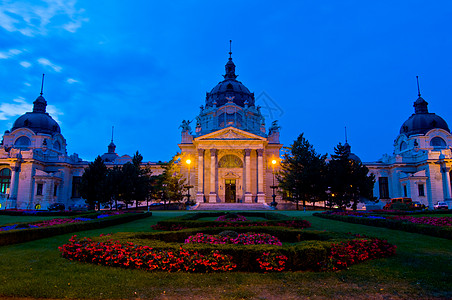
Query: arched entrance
point(5, 180)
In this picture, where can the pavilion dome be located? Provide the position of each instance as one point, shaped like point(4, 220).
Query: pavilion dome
point(230, 88)
point(422, 121)
point(39, 121)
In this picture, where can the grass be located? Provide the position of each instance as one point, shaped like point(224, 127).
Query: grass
point(421, 269)
point(5, 219)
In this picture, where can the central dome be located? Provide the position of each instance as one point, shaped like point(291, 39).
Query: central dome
point(39, 121)
point(230, 89)
point(422, 121)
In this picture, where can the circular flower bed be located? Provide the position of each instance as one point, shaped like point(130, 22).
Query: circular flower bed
point(242, 239)
point(231, 218)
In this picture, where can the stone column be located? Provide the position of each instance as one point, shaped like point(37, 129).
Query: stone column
point(200, 193)
point(13, 187)
point(213, 173)
point(446, 185)
point(248, 195)
point(260, 176)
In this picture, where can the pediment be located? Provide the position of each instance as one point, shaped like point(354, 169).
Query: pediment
point(230, 133)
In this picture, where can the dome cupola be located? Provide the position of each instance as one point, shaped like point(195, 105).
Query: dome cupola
point(229, 88)
point(39, 121)
point(422, 121)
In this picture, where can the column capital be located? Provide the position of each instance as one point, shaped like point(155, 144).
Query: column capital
point(260, 152)
point(213, 152)
point(445, 169)
point(247, 152)
point(200, 152)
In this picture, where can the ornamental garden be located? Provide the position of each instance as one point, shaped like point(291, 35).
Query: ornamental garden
point(224, 242)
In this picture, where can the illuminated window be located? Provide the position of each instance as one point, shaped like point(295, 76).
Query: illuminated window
point(5, 180)
point(230, 161)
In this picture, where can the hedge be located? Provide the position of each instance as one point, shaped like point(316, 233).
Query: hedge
point(442, 232)
point(24, 235)
point(303, 255)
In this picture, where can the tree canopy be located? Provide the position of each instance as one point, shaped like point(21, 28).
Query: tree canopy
point(348, 180)
point(303, 172)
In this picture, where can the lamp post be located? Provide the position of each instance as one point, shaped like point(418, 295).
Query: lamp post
point(188, 162)
point(273, 187)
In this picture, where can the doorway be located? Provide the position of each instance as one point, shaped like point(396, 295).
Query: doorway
point(230, 191)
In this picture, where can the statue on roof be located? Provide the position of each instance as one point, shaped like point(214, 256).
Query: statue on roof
point(185, 126)
point(274, 127)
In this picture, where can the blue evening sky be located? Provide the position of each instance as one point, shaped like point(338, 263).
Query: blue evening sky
point(144, 66)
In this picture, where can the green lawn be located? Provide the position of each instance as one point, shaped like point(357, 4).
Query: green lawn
point(421, 269)
point(19, 219)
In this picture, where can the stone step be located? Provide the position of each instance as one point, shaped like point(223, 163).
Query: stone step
point(233, 206)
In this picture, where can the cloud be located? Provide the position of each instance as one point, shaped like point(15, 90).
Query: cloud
point(71, 80)
point(20, 107)
point(47, 63)
point(35, 19)
point(10, 53)
point(8, 110)
point(25, 64)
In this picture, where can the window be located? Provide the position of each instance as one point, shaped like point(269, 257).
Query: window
point(403, 146)
point(23, 141)
point(76, 184)
point(5, 180)
point(55, 189)
point(39, 189)
point(437, 142)
point(57, 146)
point(405, 192)
point(384, 188)
point(230, 161)
point(420, 188)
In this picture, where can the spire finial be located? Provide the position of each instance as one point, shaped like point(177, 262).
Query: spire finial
point(230, 49)
point(418, 89)
point(112, 130)
point(42, 83)
point(346, 134)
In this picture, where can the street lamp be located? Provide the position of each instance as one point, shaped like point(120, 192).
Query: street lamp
point(273, 203)
point(188, 162)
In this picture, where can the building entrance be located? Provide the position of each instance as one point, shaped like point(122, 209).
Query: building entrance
point(230, 191)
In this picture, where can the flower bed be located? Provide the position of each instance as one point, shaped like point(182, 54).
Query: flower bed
point(131, 256)
point(344, 254)
point(56, 221)
point(24, 232)
point(242, 239)
point(150, 254)
point(435, 226)
point(231, 218)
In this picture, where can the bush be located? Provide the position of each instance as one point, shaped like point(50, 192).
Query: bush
point(300, 255)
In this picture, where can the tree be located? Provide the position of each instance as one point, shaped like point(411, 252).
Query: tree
point(171, 182)
point(348, 180)
point(94, 187)
point(302, 174)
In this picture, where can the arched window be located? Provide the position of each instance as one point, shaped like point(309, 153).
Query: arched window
point(403, 146)
point(23, 141)
point(437, 142)
point(5, 180)
point(57, 146)
point(230, 161)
